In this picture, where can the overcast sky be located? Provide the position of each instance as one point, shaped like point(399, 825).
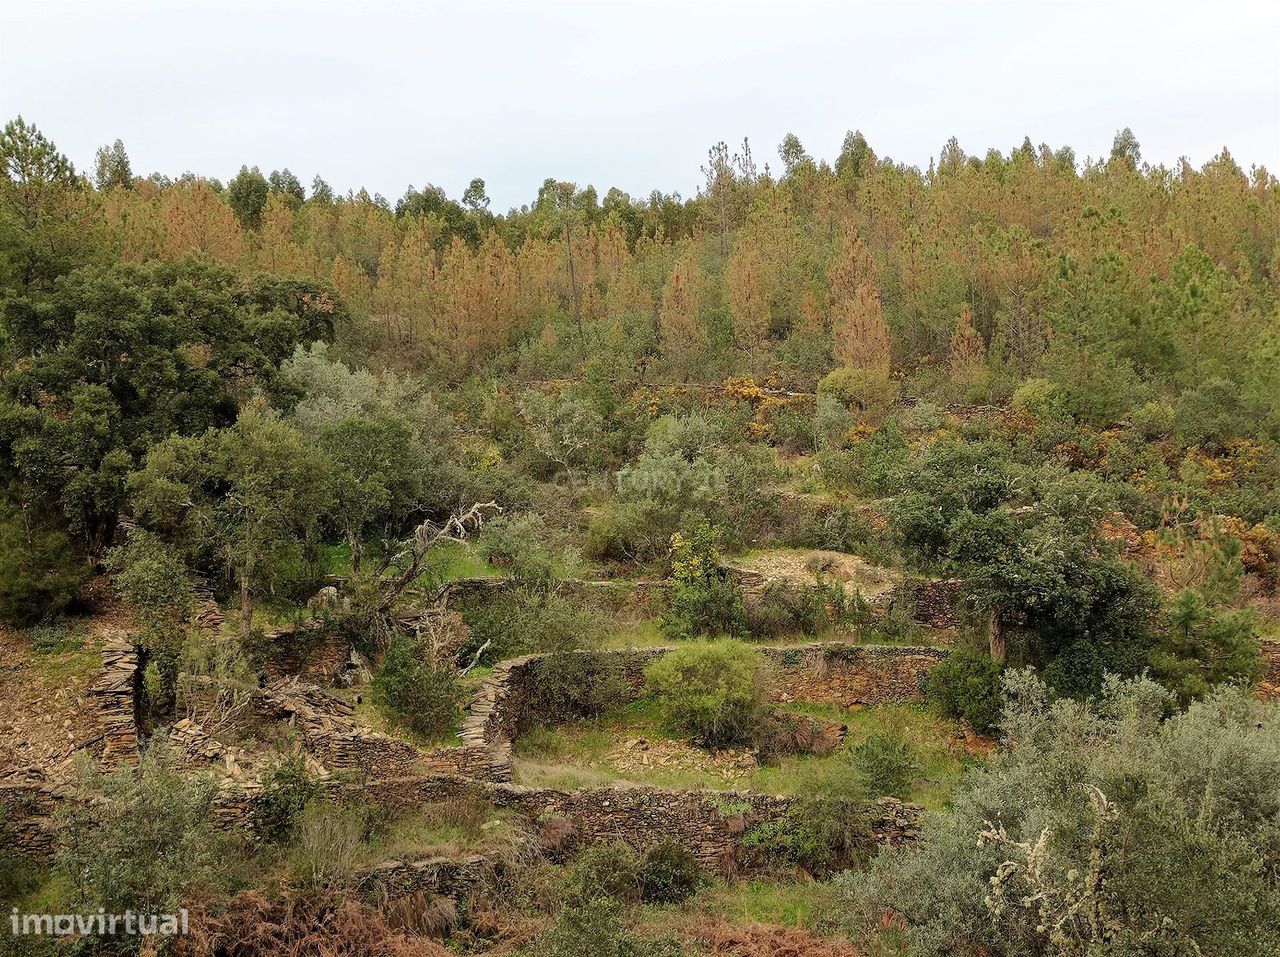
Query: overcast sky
point(385, 94)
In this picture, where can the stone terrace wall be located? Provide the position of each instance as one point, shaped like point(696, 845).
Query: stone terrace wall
point(711, 824)
point(509, 701)
point(27, 806)
point(114, 693)
point(849, 675)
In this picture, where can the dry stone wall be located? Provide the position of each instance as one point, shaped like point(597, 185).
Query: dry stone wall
point(509, 702)
point(114, 692)
point(27, 807)
point(712, 824)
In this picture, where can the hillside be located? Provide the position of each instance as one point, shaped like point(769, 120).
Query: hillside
point(850, 560)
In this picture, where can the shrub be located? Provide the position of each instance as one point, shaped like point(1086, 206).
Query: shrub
point(786, 607)
point(705, 600)
point(884, 765)
point(1041, 398)
point(145, 839)
point(414, 692)
point(286, 791)
point(529, 620)
point(1154, 420)
point(40, 571)
point(605, 870)
point(714, 691)
point(967, 686)
point(669, 873)
point(594, 928)
point(868, 390)
point(151, 575)
point(520, 543)
point(577, 681)
point(1094, 824)
point(820, 831)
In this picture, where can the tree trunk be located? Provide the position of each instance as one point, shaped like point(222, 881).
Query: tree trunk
point(995, 636)
point(353, 544)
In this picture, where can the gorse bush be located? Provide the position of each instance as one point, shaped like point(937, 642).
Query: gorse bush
point(704, 599)
point(1091, 828)
point(716, 692)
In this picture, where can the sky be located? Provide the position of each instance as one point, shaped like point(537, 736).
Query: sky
point(387, 94)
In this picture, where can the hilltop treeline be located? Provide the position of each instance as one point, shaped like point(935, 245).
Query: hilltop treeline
point(1121, 281)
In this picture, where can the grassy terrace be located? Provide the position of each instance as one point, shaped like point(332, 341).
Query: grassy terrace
point(599, 751)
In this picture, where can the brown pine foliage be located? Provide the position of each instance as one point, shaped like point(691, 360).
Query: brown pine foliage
point(850, 269)
point(745, 281)
point(680, 318)
point(860, 334)
point(967, 347)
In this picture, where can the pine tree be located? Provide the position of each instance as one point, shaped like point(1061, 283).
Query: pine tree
point(680, 318)
point(746, 282)
point(861, 336)
point(967, 348)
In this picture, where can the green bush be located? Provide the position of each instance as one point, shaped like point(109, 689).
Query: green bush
point(413, 692)
point(574, 681)
point(1041, 398)
point(704, 600)
point(529, 620)
point(145, 839)
point(595, 928)
point(522, 544)
point(286, 791)
point(151, 575)
point(717, 692)
point(40, 571)
point(605, 870)
point(821, 831)
point(885, 765)
point(668, 874)
point(1091, 826)
point(785, 608)
point(966, 686)
point(870, 391)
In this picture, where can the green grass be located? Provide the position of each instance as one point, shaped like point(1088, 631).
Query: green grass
point(446, 829)
point(577, 754)
point(766, 902)
point(448, 560)
point(59, 653)
point(646, 633)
